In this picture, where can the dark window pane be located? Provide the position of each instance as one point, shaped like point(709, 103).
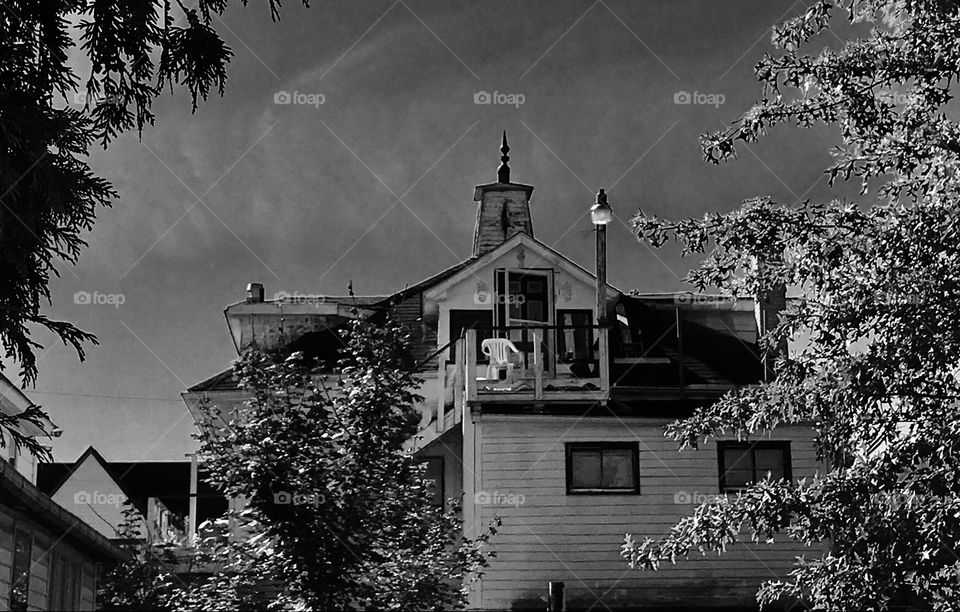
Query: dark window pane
point(535, 311)
point(20, 588)
point(585, 469)
point(617, 469)
point(738, 466)
point(769, 460)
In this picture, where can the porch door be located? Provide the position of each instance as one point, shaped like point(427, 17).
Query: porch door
point(525, 298)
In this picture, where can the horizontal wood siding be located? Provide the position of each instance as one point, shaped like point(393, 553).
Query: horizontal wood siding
point(43, 543)
point(6, 557)
point(547, 535)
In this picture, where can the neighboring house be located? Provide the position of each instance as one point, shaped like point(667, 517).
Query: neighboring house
point(565, 444)
point(48, 556)
point(96, 490)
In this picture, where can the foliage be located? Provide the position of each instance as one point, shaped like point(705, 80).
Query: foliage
point(338, 514)
point(144, 581)
point(876, 321)
point(49, 195)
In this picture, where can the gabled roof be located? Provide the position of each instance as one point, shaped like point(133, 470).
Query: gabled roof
point(169, 481)
point(224, 381)
point(439, 277)
point(19, 493)
point(545, 252)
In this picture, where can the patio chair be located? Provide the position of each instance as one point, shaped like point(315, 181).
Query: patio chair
point(498, 351)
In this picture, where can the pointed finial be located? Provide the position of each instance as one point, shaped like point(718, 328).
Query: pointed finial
point(503, 172)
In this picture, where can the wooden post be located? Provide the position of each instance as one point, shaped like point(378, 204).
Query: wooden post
point(192, 521)
point(537, 367)
point(459, 388)
point(442, 383)
point(679, 325)
point(601, 275)
point(470, 367)
point(604, 360)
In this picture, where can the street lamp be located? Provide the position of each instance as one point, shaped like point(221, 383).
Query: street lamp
point(601, 214)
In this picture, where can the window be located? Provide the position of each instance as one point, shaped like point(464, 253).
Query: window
point(574, 336)
point(20, 577)
point(65, 583)
point(433, 478)
point(742, 463)
point(481, 320)
point(603, 468)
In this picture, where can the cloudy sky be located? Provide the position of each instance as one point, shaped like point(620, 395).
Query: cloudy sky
point(375, 183)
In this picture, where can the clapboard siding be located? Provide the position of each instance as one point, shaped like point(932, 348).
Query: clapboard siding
point(43, 543)
point(547, 535)
point(6, 557)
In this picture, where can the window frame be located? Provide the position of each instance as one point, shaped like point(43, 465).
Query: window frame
point(633, 447)
point(782, 445)
point(28, 536)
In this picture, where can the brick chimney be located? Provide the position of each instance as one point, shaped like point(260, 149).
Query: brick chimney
point(503, 209)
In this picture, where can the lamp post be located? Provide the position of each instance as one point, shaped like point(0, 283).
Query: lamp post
point(601, 214)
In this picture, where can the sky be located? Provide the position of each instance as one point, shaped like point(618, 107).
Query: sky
point(367, 175)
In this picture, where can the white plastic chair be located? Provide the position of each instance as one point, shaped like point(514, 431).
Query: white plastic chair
point(498, 356)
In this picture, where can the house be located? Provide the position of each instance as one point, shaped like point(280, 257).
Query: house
point(559, 432)
point(97, 490)
point(48, 555)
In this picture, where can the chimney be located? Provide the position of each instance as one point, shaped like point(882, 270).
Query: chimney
point(503, 210)
point(768, 305)
point(255, 293)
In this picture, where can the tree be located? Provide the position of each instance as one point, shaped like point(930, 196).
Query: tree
point(878, 286)
point(338, 515)
point(49, 195)
point(144, 581)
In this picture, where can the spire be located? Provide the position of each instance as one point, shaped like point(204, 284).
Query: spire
point(503, 172)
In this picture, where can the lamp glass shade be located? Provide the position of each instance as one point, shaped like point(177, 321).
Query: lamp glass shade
point(601, 214)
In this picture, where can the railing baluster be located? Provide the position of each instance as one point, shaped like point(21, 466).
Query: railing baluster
point(537, 367)
point(470, 366)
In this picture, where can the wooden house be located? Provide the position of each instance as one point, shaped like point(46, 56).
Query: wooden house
point(559, 432)
point(49, 556)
